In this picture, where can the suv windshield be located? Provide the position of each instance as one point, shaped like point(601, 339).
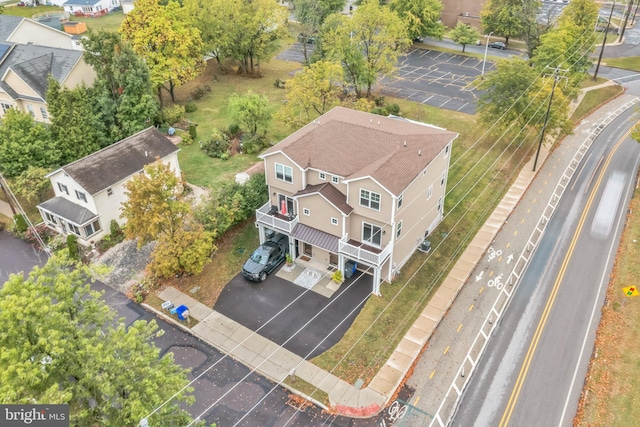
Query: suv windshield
point(260, 256)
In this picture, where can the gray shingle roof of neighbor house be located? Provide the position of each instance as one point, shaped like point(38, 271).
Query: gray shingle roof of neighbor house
point(68, 210)
point(104, 168)
point(8, 24)
point(354, 144)
point(34, 64)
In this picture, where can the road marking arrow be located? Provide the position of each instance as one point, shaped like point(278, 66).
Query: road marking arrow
point(509, 258)
point(479, 276)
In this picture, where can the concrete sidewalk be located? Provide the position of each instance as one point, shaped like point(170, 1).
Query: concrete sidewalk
point(276, 363)
point(5, 209)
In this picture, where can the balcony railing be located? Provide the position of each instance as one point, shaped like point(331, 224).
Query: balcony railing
point(361, 253)
point(266, 216)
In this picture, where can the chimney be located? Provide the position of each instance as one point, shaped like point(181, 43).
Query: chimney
point(405, 143)
point(419, 152)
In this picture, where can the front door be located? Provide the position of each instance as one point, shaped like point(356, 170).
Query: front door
point(333, 259)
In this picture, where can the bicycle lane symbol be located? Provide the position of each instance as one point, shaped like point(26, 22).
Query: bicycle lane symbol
point(395, 412)
point(492, 253)
point(497, 282)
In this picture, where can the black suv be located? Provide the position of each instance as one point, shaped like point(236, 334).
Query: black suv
point(266, 258)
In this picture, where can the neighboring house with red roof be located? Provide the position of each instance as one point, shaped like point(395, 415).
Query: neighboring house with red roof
point(89, 192)
point(354, 186)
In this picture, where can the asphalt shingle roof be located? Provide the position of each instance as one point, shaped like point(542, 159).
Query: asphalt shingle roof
point(354, 144)
point(68, 210)
point(8, 24)
point(81, 3)
point(104, 168)
point(34, 64)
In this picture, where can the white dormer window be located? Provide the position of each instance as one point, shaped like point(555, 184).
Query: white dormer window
point(63, 188)
point(335, 179)
point(322, 176)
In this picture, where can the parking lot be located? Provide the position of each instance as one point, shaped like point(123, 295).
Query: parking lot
point(426, 76)
point(436, 78)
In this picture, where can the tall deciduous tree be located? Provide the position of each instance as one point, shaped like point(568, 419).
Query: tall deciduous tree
point(122, 93)
point(464, 34)
point(24, 143)
point(516, 97)
point(153, 206)
point(60, 344)
point(312, 92)
point(169, 44)
point(75, 129)
point(32, 184)
point(250, 110)
point(421, 16)
point(311, 14)
point(367, 44)
point(186, 251)
point(502, 17)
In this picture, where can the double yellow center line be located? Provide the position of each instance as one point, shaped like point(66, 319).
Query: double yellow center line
point(545, 314)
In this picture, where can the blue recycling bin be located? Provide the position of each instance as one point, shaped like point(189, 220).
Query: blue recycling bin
point(350, 269)
point(182, 311)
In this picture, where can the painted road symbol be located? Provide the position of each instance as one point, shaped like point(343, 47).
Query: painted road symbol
point(493, 253)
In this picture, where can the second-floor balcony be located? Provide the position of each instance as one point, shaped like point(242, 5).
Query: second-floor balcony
point(269, 216)
point(359, 251)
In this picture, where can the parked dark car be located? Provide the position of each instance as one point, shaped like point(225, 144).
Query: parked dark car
point(266, 258)
point(498, 45)
point(305, 38)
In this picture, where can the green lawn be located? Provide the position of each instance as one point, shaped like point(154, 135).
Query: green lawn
point(110, 22)
point(631, 63)
point(28, 12)
point(593, 99)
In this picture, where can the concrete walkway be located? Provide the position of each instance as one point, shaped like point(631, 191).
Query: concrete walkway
point(277, 363)
point(5, 209)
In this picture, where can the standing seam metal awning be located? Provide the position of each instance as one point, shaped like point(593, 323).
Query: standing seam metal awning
point(316, 237)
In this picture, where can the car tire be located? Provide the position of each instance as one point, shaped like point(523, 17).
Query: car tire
point(263, 276)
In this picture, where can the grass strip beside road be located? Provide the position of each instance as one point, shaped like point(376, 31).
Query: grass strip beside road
point(611, 389)
point(593, 99)
point(631, 63)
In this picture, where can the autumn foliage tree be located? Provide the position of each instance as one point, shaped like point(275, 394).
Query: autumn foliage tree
point(367, 44)
point(164, 37)
point(155, 211)
point(312, 92)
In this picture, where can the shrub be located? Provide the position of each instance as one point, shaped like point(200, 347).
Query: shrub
point(234, 129)
point(43, 232)
point(379, 101)
point(186, 139)
point(253, 143)
point(190, 107)
point(193, 133)
point(21, 225)
point(72, 246)
point(171, 115)
point(218, 145)
point(393, 109)
point(381, 111)
point(337, 276)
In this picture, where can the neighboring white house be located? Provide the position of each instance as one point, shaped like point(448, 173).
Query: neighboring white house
point(91, 8)
point(89, 192)
point(16, 29)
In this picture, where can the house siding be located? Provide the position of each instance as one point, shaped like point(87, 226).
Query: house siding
point(321, 214)
point(82, 72)
point(19, 85)
point(278, 186)
point(32, 32)
point(386, 200)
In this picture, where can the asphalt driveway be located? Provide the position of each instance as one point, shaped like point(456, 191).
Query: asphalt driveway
point(303, 322)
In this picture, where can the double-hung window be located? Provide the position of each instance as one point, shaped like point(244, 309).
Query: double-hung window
point(63, 188)
point(81, 196)
point(91, 229)
point(284, 173)
point(369, 199)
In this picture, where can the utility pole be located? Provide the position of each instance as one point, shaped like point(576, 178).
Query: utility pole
point(626, 18)
point(604, 40)
point(556, 77)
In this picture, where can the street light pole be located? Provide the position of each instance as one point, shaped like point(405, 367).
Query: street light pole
point(486, 47)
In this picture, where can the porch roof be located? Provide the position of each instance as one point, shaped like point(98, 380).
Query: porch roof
point(316, 237)
point(68, 210)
